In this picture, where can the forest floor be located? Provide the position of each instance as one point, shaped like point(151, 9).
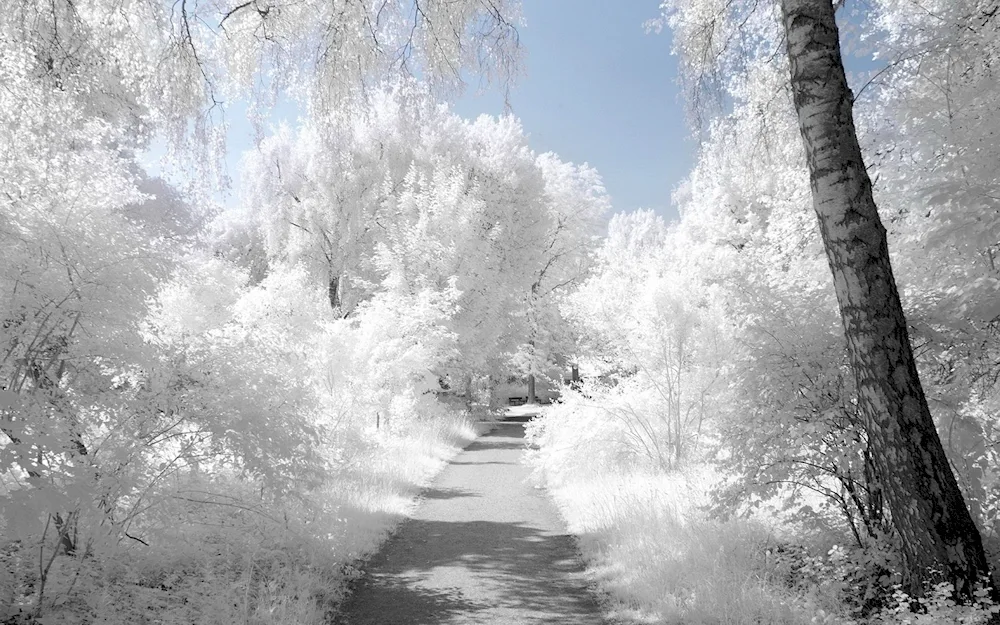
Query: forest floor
point(483, 546)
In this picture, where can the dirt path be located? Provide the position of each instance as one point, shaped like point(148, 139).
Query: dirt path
point(483, 547)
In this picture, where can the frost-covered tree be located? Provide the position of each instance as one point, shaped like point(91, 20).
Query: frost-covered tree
point(575, 203)
point(404, 195)
point(927, 121)
point(105, 395)
point(165, 65)
point(82, 253)
point(934, 528)
point(655, 336)
point(927, 507)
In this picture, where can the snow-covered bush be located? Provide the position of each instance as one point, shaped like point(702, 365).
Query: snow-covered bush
point(645, 533)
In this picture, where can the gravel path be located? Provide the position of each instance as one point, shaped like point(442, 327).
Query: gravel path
point(483, 547)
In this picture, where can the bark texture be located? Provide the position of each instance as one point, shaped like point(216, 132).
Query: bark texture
point(920, 490)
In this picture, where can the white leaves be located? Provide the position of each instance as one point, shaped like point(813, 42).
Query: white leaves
point(326, 52)
point(405, 196)
point(716, 40)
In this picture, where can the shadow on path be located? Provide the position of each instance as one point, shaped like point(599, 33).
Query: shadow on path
point(480, 445)
point(472, 463)
point(483, 547)
point(446, 493)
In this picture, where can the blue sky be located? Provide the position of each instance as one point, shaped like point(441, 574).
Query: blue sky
point(598, 89)
point(595, 88)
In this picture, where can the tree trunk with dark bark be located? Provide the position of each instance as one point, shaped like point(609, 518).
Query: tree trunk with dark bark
point(333, 291)
point(920, 490)
point(468, 391)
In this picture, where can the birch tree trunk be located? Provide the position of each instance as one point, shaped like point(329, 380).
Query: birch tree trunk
point(920, 490)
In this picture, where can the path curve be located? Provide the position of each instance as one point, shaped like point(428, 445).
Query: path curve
point(483, 547)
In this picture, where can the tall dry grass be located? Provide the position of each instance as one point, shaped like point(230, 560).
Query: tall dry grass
point(653, 551)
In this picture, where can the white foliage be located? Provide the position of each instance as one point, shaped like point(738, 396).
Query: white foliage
point(405, 196)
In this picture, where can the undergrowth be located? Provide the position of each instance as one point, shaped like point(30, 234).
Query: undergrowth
point(659, 556)
point(222, 552)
